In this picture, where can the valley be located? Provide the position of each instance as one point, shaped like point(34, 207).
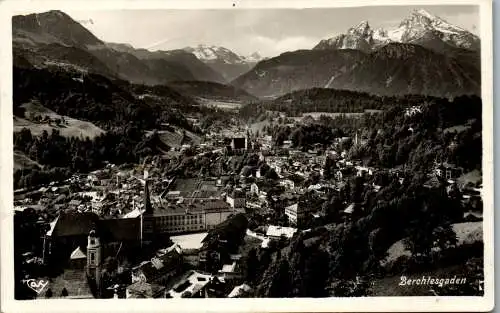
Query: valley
point(223, 105)
point(325, 171)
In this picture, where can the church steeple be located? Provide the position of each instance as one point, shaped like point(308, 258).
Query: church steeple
point(147, 201)
point(94, 258)
point(147, 218)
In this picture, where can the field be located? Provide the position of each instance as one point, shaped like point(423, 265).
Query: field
point(186, 184)
point(316, 115)
point(471, 177)
point(175, 139)
point(456, 128)
point(224, 105)
point(190, 241)
point(71, 128)
point(467, 233)
point(259, 126)
point(22, 161)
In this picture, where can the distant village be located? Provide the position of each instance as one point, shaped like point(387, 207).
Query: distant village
point(169, 237)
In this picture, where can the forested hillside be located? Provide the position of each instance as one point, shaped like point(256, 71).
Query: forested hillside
point(411, 131)
point(125, 111)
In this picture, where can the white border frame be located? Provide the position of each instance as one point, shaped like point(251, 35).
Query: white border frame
point(372, 304)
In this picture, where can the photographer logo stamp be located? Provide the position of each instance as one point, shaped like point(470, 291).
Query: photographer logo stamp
point(37, 285)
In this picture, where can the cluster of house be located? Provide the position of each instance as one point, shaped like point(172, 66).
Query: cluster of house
point(305, 164)
point(108, 192)
point(164, 275)
point(115, 208)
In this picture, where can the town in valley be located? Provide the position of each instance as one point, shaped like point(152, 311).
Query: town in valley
point(197, 172)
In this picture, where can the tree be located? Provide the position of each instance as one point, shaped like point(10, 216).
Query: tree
point(281, 137)
point(444, 237)
point(280, 283)
point(329, 168)
point(314, 276)
point(252, 265)
point(271, 174)
point(110, 264)
point(48, 293)
point(45, 135)
point(64, 292)
point(357, 190)
point(298, 137)
point(19, 111)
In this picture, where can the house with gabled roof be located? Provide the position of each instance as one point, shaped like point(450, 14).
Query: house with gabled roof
point(160, 269)
point(144, 290)
point(78, 258)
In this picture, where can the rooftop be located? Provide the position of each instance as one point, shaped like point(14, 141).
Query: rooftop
point(194, 207)
point(142, 289)
point(78, 254)
point(278, 231)
point(194, 283)
point(80, 224)
point(160, 264)
point(190, 241)
point(238, 290)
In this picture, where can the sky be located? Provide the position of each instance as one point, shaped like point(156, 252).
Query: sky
point(244, 31)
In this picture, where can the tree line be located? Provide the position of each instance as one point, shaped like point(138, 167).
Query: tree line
point(97, 99)
point(62, 156)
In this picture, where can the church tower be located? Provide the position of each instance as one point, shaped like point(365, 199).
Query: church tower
point(147, 217)
point(94, 256)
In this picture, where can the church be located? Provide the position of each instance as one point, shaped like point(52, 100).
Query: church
point(85, 240)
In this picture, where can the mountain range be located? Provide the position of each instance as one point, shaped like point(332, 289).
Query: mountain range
point(420, 28)
point(225, 61)
point(398, 69)
point(423, 55)
point(55, 39)
point(407, 59)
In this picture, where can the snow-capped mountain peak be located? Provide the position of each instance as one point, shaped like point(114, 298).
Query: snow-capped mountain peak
point(422, 18)
point(212, 54)
point(422, 12)
point(420, 27)
point(253, 58)
point(362, 29)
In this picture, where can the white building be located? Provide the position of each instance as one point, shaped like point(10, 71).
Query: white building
point(191, 216)
point(297, 213)
point(275, 232)
point(287, 183)
point(236, 200)
point(291, 212)
point(254, 189)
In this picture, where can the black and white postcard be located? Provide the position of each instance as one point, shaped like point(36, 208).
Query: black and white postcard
point(289, 155)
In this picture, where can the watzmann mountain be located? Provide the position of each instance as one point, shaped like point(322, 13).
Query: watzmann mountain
point(420, 28)
point(405, 60)
point(398, 69)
